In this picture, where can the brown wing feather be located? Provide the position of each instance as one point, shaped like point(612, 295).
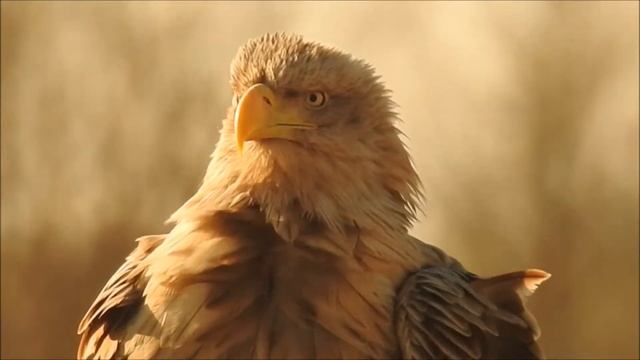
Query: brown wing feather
point(119, 297)
point(447, 313)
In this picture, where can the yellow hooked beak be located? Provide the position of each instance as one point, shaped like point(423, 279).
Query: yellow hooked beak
point(260, 115)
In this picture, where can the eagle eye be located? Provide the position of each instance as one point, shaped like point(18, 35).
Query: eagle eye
point(316, 99)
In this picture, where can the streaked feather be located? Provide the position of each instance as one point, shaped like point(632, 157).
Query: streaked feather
point(443, 312)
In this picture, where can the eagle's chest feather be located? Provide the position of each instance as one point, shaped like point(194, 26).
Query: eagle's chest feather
point(322, 295)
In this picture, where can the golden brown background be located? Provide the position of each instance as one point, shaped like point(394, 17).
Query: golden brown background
point(522, 119)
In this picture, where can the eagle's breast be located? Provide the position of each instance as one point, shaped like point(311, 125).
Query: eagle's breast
point(241, 290)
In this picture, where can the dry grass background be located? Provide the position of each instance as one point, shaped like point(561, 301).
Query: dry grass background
point(522, 119)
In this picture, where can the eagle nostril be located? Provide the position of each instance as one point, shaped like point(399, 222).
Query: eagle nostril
point(266, 100)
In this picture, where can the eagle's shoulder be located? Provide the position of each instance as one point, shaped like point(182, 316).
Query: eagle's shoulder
point(168, 295)
point(119, 298)
point(444, 312)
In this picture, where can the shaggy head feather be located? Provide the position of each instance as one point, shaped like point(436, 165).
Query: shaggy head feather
point(352, 169)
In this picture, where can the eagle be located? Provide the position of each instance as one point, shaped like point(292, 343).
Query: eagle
point(296, 244)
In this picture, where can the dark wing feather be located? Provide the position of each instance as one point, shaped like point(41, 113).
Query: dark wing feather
point(120, 296)
point(445, 313)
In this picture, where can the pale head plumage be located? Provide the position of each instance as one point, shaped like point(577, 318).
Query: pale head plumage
point(352, 169)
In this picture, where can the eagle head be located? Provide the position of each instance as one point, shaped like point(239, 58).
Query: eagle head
point(311, 135)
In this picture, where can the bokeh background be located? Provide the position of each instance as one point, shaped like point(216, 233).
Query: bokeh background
point(522, 119)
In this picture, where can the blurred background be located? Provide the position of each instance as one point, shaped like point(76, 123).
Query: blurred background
point(522, 119)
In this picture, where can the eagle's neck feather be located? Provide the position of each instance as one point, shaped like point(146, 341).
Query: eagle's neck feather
point(293, 185)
